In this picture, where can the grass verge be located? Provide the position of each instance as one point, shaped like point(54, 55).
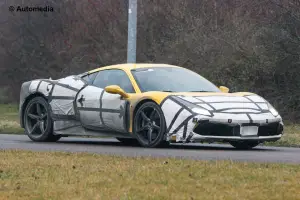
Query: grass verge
point(9, 119)
point(35, 175)
point(9, 123)
point(291, 137)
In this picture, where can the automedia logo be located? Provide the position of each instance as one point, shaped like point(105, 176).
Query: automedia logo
point(30, 9)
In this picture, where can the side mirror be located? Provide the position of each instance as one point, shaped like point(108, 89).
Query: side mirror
point(224, 89)
point(115, 89)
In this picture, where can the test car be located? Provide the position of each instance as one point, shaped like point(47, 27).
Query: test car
point(153, 104)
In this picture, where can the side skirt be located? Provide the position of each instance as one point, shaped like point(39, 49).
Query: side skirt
point(81, 131)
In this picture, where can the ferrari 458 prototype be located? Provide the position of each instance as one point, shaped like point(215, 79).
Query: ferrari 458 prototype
point(153, 104)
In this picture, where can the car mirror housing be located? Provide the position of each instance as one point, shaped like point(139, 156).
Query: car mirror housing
point(224, 89)
point(115, 89)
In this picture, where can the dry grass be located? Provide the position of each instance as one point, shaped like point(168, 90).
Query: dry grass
point(32, 175)
point(9, 123)
point(291, 137)
point(9, 119)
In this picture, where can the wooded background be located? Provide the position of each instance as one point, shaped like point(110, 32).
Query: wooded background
point(245, 45)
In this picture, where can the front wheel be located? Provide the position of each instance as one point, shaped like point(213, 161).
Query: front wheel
point(149, 125)
point(37, 121)
point(244, 145)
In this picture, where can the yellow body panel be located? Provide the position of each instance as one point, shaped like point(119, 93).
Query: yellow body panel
point(156, 96)
point(130, 66)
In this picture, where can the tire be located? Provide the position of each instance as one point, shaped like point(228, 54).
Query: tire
point(149, 125)
point(38, 123)
point(244, 145)
point(128, 141)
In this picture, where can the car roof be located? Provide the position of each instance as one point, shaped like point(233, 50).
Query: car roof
point(130, 66)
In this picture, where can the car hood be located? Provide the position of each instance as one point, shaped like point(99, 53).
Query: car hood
point(241, 102)
point(235, 94)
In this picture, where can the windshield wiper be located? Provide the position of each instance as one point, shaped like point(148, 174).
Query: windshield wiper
point(167, 91)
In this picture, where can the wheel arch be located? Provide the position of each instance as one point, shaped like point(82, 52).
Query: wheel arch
point(27, 99)
point(140, 103)
point(135, 106)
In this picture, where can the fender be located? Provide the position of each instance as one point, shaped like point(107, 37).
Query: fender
point(138, 99)
point(52, 90)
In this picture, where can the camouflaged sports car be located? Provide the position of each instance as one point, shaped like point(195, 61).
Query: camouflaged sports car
point(153, 104)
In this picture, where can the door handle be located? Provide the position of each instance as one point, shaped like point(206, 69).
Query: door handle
point(81, 99)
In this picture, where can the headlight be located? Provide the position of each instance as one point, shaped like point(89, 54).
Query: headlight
point(273, 110)
point(201, 111)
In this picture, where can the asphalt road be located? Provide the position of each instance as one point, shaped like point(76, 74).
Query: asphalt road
point(189, 151)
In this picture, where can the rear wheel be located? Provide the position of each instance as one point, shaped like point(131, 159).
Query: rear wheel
point(149, 125)
point(37, 121)
point(244, 144)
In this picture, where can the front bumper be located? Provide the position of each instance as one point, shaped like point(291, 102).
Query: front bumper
point(214, 131)
point(221, 117)
point(201, 138)
point(234, 130)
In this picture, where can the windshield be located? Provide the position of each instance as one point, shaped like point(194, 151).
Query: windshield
point(171, 79)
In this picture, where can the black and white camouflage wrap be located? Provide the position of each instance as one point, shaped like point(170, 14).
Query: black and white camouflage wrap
point(78, 108)
point(181, 112)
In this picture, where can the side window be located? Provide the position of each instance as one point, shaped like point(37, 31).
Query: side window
point(90, 77)
point(113, 77)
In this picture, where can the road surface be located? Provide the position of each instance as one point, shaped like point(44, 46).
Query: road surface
point(189, 151)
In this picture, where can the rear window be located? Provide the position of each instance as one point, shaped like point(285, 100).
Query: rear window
point(90, 77)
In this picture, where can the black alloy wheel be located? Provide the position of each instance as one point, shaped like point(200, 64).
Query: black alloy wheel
point(149, 125)
point(37, 121)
